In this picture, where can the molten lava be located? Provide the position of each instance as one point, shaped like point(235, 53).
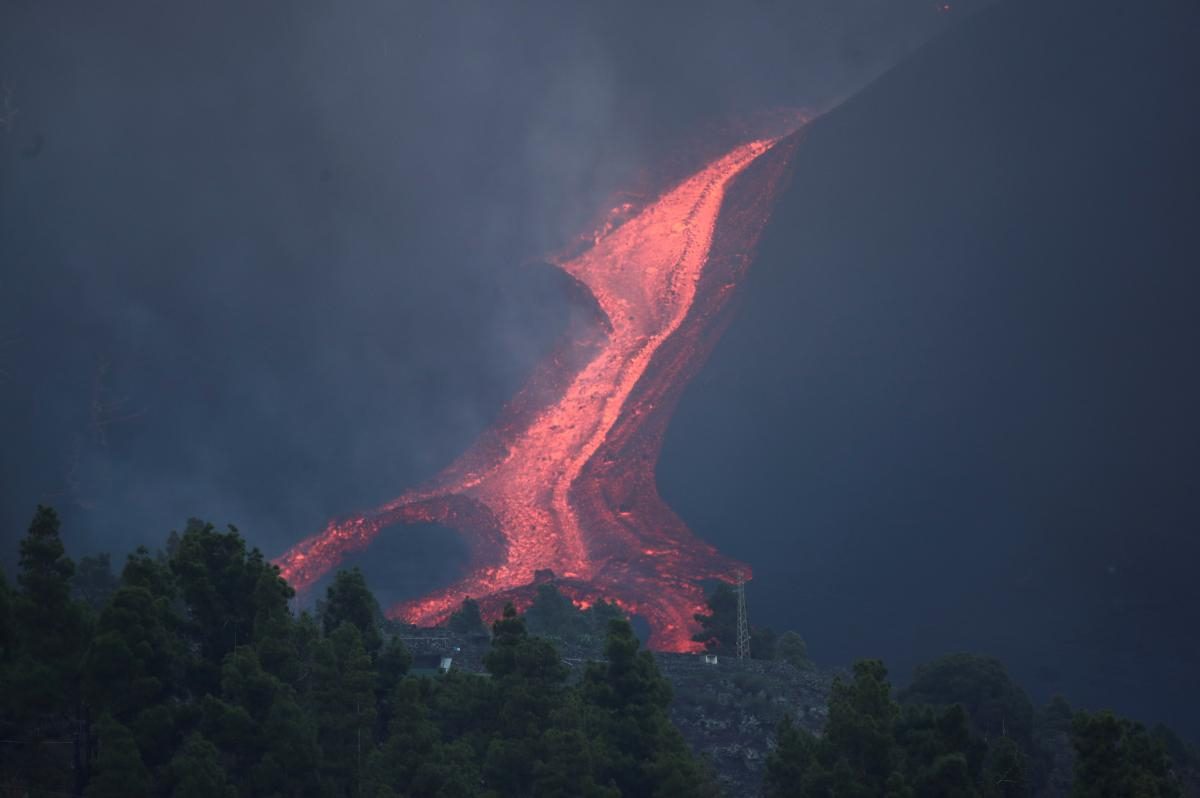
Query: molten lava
point(564, 480)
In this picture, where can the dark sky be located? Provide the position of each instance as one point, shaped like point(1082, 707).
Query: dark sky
point(958, 409)
point(268, 264)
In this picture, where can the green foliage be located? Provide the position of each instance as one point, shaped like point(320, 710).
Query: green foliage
point(530, 682)
point(344, 700)
point(305, 638)
point(224, 602)
point(940, 756)
point(1117, 757)
point(210, 686)
point(159, 731)
point(791, 648)
point(206, 684)
point(291, 754)
point(718, 629)
point(48, 635)
point(1057, 715)
point(391, 665)
point(46, 570)
point(196, 771)
point(94, 580)
point(50, 626)
point(860, 727)
point(467, 619)
point(1006, 772)
point(413, 760)
point(119, 771)
point(763, 641)
point(871, 747)
point(641, 752)
point(348, 600)
point(792, 766)
point(1179, 752)
point(526, 731)
point(153, 573)
point(996, 706)
point(554, 615)
point(132, 661)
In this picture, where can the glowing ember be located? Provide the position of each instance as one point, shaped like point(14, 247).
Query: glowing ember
point(564, 481)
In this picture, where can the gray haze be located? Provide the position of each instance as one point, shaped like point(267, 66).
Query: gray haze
point(269, 263)
point(272, 263)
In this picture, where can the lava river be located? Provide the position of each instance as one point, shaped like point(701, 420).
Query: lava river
point(563, 482)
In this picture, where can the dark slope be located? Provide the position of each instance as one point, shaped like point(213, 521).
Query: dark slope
point(958, 406)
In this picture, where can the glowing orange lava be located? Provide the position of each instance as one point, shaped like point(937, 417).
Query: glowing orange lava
point(564, 480)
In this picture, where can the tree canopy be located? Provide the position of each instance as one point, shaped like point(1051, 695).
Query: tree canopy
point(202, 681)
point(189, 674)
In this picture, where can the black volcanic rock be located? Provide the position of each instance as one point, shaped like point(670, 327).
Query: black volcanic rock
point(957, 408)
point(728, 711)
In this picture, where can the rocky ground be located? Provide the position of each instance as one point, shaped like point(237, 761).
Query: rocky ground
point(728, 710)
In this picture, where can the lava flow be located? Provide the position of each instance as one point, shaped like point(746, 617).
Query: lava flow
point(564, 481)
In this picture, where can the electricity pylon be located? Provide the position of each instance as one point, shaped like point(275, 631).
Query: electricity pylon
point(743, 621)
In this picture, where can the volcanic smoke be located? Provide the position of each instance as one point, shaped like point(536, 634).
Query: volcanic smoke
point(564, 482)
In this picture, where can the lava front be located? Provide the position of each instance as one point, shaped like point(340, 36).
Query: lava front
point(564, 481)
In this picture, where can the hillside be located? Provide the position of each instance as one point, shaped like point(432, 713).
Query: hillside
point(957, 406)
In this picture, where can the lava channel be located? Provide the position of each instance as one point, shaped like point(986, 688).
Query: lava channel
point(564, 482)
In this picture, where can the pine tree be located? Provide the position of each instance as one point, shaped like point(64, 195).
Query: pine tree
point(790, 762)
point(719, 626)
point(142, 569)
point(290, 765)
point(348, 600)
point(41, 690)
point(273, 634)
point(135, 658)
point(791, 648)
point(119, 771)
point(858, 754)
point(305, 640)
point(467, 619)
point(344, 698)
point(49, 624)
point(939, 755)
point(1117, 757)
point(996, 706)
point(643, 754)
point(414, 760)
point(568, 767)
point(1006, 773)
point(391, 665)
point(860, 726)
point(529, 681)
point(94, 581)
point(196, 771)
point(555, 615)
point(225, 604)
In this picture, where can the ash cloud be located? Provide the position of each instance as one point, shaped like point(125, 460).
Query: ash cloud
point(263, 264)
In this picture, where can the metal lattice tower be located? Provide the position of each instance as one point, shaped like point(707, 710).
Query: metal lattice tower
point(743, 621)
